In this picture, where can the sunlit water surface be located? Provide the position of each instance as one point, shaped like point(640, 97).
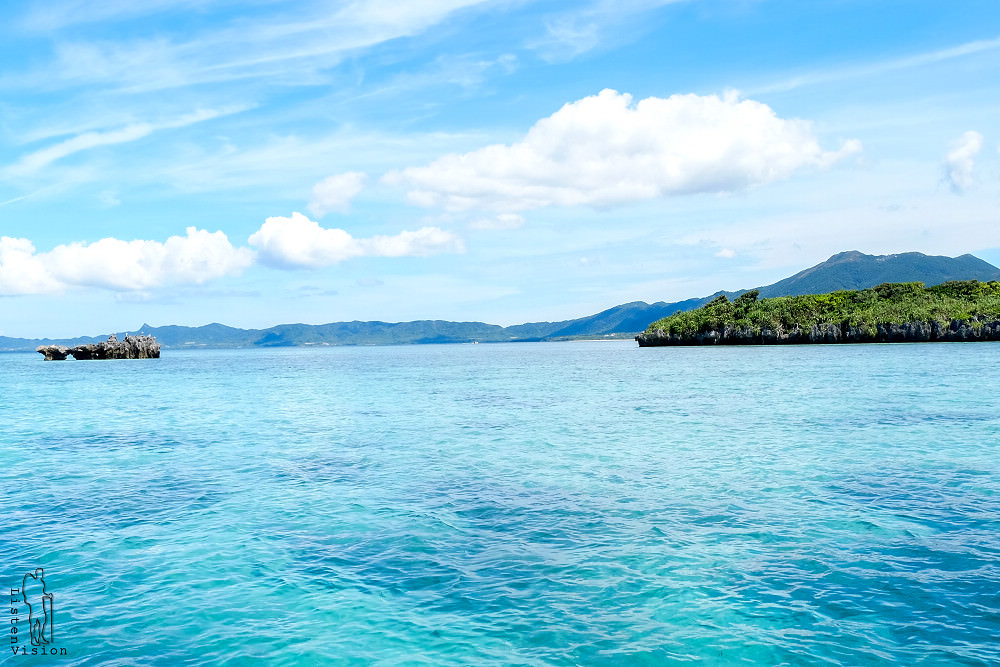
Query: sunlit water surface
point(521, 504)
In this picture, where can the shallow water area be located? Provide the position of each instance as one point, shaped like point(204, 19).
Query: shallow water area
point(527, 504)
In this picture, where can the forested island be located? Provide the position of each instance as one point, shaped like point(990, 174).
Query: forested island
point(967, 310)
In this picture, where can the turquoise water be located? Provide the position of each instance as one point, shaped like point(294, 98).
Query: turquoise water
point(528, 504)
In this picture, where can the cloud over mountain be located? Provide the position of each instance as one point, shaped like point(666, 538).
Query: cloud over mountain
point(607, 149)
point(960, 160)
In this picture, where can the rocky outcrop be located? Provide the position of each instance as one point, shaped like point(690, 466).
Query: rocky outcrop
point(976, 329)
point(132, 347)
point(53, 352)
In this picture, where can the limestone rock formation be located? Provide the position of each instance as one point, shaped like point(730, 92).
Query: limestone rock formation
point(133, 347)
point(53, 352)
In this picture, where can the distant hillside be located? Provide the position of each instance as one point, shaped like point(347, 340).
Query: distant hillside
point(388, 333)
point(845, 271)
point(8, 344)
point(628, 317)
point(349, 333)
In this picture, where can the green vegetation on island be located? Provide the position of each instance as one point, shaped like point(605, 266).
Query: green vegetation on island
point(851, 315)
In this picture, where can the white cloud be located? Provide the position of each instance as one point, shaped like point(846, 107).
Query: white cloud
point(606, 150)
point(22, 271)
point(424, 242)
point(336, 192)
point(726, 253)
point(119, 265)
point(960, 160)
point(502, 221)
point(298, 242)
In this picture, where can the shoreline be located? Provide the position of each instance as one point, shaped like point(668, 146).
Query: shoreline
point(974, 330)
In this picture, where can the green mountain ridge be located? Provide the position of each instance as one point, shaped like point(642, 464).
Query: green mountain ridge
point(850, 270)
point(856, 271)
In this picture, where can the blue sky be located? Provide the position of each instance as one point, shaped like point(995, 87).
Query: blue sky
point(262, 162)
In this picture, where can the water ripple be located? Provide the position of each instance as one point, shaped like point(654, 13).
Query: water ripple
point(557, 504)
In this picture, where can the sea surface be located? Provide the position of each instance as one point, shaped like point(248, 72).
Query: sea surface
point(588, 503)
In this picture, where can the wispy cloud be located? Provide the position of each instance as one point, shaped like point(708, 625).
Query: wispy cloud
point(112, 91)
point(504, 221)
point(13, 201)
point(589, 26)
point(297, 49)
point(30, 195)
point(38, 159)
point(56, 14)
point(34, 161)
point(292, 162)
point(819, 77)
point(466, 72)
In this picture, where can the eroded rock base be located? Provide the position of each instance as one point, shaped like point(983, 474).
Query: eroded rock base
point(985, 329)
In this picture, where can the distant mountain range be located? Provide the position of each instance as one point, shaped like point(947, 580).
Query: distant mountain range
point(847, 270)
